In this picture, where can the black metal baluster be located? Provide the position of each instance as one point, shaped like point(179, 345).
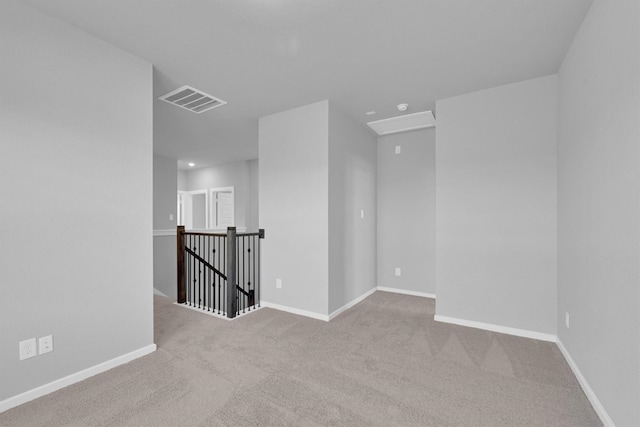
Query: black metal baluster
point(196, 264)
point(189, 275)
point(239, 304)
point(238, 269)
point(213, 291)
point(207, 274)
point(195, 272)
point(255, 284)
point(198, 283)
point(215, 276)
point(186, 263)
point(245, 244)
point(253, 264)
point(211, 273)
point(189, 269)
point(193, 284)
point(201, 273)
point(220, 281)
point(240, 241)
point(205, 270)
point(218, 267)
point(241, 267)
point(224, 289)
point(259, 265)
point(248, 257)
point(219, 278)
point(201, 276)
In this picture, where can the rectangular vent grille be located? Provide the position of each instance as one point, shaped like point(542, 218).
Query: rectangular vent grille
point(192, 99)
point(423, 119)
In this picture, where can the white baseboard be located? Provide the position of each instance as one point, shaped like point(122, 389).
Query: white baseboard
point(222, 316)
point(595, 402)
point(295, 311)
point(347, 306)
point(352, 303)
point(37, 392)
point(497, 328)
point(405, 292)
point(156, 291)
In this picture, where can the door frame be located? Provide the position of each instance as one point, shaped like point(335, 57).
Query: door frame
point(212, 199)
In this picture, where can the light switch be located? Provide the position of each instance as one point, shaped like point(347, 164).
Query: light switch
point(398, 149)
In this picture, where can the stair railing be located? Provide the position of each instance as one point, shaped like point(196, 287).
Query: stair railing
point(219, 273)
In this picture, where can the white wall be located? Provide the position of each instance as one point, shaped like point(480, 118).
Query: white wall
point(496, 239)
point(182, 180)
point(407, 211)
point(599, 206)
point(165, 187)
point(238, 175)
point(352, 188)
point(76, 251)
point(253, 213)
point(294, 186)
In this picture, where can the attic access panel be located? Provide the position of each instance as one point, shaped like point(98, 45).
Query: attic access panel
point(407, 122)
point(192, 99)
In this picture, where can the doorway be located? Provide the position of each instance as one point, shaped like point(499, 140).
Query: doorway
point(222, 207)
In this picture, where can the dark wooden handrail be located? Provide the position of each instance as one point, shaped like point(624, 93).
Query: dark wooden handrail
point(198, 233)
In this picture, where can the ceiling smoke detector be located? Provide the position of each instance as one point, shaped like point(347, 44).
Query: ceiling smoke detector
point(403, 107)
point(192, 99)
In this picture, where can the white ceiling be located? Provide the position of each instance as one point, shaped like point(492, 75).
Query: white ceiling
point(266, 56)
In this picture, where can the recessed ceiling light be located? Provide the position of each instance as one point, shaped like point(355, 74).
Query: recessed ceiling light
point(191, 164)
point(403, 107)
point(370, 113)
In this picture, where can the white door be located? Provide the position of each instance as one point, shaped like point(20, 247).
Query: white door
point(225, 209)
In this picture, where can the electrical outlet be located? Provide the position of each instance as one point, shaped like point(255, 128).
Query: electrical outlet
point(398, 271)
point(45, 344)
point(28, 348)
point(566, 319)
point(278, 283)
point(170, 217)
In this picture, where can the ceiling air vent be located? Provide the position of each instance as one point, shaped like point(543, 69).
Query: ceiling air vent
point(424, 119)
point(192, 99)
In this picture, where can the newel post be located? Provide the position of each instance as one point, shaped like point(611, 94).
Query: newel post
point(232, 299)
point(182, 289)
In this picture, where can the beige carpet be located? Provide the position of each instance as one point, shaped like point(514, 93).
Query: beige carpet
point(384, 362)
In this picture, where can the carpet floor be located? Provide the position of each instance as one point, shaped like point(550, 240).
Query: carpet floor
point(384, 362)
